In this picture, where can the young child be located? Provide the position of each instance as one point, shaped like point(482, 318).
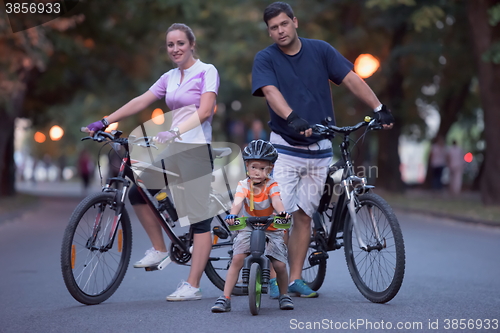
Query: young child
point(258, 195)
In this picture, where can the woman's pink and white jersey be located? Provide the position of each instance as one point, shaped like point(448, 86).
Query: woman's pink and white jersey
point(184, 97)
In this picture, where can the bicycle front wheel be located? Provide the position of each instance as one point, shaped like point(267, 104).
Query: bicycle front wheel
point(255, 288)
point(378, 270)
point(93, 258)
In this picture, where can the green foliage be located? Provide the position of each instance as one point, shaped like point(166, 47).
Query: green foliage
point(386, 4)
point(494, 14)
point(492, 54)
point(426, 17)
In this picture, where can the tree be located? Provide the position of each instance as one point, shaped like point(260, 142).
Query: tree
point(483, 21)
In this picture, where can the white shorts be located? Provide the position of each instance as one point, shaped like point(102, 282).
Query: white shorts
point(301, 180)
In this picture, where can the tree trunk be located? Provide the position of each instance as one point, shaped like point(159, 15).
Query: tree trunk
point(484, 35)
point(389, 175)
point(8, 113)
point(7, 165)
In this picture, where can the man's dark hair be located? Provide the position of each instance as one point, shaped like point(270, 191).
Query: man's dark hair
point(277, 8)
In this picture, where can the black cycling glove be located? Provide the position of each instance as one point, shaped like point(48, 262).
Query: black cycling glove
point(297, 123)
point(384, 116)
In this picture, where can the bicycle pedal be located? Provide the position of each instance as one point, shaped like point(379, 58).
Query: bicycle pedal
point(160, 266)
point(221, 233)
point(317, 256)
point(164, 263)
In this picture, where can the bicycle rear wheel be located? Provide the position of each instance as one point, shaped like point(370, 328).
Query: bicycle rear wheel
point(377, 272)
point(314, 268)
point(313, 273)
point(219, 262)
point(92, 264)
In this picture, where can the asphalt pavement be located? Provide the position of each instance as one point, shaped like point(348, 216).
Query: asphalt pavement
point(451, 280)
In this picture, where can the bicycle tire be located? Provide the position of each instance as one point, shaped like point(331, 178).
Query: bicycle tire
point(93, 275)
point(378, 274)
point(255, 288)
point(313, 275)
point(218, 264)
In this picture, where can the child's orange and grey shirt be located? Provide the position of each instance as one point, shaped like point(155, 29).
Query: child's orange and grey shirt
point(262, 205)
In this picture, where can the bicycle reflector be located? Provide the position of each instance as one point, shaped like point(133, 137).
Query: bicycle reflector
point(239, 223)
point(281, 223)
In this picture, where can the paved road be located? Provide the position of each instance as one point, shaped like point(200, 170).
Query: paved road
point(452, 273)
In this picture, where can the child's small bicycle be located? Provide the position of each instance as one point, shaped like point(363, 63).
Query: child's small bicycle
point(256, 273)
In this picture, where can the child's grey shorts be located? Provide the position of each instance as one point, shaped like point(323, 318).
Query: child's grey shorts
point(275, 245)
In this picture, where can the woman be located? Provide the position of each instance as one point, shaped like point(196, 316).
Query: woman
point(192, 82)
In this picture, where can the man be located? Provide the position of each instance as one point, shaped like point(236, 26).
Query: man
point(293, 75)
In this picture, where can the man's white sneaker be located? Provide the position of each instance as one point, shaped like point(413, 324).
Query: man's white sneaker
point(185, 292)
point(152, 258)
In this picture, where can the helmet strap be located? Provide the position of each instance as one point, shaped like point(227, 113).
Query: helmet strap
point(251, 196)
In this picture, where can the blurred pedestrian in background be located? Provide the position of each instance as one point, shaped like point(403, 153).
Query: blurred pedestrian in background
point(455, 161)
point(438, 162)
point(85, 168)
point(256, 131)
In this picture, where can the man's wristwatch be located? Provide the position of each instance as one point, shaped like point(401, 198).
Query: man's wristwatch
point(176, 131)
point(105, 122)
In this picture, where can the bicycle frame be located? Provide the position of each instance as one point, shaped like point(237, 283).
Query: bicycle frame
point(120, 192)
point(346, 201)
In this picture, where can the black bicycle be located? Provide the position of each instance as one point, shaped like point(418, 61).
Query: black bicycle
point(360, 221)
point(97, 242)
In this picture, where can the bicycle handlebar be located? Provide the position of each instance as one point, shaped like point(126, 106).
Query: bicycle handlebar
point(114, 136)
point(261, 222)
point(329, 131)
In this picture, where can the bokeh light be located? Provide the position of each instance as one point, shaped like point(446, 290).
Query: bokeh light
point(56, 133)
point(157, 116)
point(111, 127)
point(365, 65)
point(468, 157)
point(40, 137)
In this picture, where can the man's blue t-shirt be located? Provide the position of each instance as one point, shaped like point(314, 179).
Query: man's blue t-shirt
point(303, 80)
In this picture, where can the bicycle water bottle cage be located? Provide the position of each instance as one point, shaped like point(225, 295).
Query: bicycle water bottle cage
point(219, 232)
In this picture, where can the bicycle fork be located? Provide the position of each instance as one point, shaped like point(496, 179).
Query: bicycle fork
point(361, 243)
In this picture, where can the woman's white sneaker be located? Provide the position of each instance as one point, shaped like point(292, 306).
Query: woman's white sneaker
point(152, 258)
point(185, 292)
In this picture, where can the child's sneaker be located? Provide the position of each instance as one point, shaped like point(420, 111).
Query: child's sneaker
point(274, 291)
point(300, 288)
point(185, 292)
point(222, 304)
point(286, 302)
point(152, 258)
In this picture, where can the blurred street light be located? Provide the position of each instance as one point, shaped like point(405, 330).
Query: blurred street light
point(365, 65)
point(111, 127)
point(39, 137)
point(56, 133)
point(157, 116)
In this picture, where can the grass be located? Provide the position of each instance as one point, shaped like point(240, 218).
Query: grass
point(467, 206)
